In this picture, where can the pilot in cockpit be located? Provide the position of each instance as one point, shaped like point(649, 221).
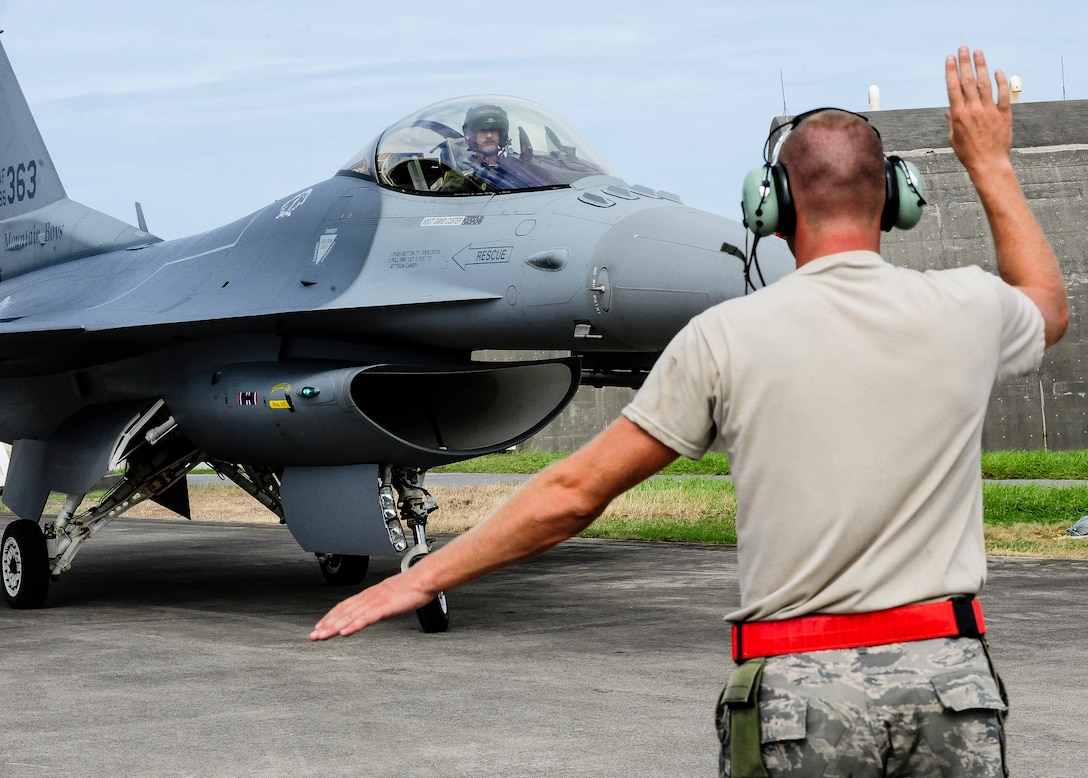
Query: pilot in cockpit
point(487, 132)
point(489, 163)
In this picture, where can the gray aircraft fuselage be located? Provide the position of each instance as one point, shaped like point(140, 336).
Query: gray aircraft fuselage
point(346, 271)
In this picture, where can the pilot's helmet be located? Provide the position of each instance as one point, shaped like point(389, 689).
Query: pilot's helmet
point(487, 117)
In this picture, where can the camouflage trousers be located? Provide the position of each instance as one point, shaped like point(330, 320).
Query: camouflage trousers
point(919, 709)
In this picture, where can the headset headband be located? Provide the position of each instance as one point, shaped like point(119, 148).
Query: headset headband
point(787, 127)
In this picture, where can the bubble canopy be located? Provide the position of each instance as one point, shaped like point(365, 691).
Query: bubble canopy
point(478, 144)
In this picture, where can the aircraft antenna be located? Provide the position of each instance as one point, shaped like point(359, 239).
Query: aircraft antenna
point(782, 84)
point(140, 217)
point(1062, 58)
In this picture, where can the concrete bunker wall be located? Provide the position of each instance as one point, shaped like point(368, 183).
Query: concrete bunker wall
point(1045, 410)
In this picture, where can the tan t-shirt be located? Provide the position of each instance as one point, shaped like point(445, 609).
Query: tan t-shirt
point(850, 397)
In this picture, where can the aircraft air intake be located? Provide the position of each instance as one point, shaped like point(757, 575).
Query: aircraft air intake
point(310, 413)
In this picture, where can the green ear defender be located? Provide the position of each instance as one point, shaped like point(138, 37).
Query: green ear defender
point(904, 195)
point(762, 200)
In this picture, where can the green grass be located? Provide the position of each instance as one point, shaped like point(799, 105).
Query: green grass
point(995, 464)
point(1035, 464)
point(692, 510)
point(706, 510)
point(1008, 504)
point(524, 462)
point(527, 462)
point(1020, 518)
point(707, 530)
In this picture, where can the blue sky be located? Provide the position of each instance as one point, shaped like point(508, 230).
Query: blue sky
point(205, 111)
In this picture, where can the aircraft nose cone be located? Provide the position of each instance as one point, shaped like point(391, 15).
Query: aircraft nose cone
point(657, 268)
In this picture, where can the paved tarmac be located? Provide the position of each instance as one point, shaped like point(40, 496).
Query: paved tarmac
point(179, 648)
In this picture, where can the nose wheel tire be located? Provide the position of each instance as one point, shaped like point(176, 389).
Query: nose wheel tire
point(343, 569)
point(435, 615)
point(24, 565)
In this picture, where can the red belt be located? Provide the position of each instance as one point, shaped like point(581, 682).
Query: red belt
point(958, 617)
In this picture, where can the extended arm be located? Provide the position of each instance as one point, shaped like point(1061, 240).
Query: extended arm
point(557, 504)
point(980, 132)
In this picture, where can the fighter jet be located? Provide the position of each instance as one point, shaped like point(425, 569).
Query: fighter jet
point(322, 353)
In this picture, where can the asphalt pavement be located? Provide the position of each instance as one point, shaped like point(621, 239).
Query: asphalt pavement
point(177, 648)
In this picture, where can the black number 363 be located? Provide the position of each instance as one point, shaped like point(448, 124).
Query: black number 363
point(19, 183)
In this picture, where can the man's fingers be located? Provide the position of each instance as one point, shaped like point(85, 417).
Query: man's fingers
point(328, 627)
point(380, 601)
point(1004, 98)
point(952, 77)
point(983, 76)
point(350, 615)
point(968, 86)
point(341, 624)
point(960, 77)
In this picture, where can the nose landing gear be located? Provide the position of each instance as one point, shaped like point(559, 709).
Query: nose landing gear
point(416, 504)
point(405, 519)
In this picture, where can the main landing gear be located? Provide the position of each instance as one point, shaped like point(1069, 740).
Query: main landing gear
point(343, 569)
point(25, 565)
point(32, 555)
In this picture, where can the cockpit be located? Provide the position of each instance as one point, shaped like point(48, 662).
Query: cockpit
point(478, 144)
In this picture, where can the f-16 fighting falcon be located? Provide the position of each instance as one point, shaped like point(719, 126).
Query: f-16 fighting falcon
point(322, 353)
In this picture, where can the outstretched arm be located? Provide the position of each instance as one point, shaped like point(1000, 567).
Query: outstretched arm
point(980, 131)
point(557, 504)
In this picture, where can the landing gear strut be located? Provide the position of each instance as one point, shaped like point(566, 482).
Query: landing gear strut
point(415, 505)
point(150, 474)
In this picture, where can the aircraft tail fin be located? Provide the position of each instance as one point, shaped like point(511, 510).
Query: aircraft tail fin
point(40, 225)
point(28, 179)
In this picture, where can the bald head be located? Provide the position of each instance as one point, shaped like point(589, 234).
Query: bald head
point(835, 163)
